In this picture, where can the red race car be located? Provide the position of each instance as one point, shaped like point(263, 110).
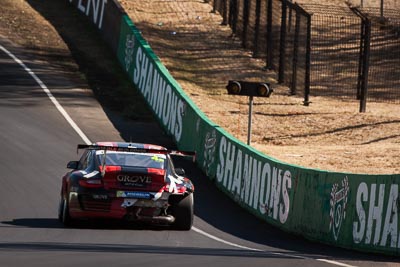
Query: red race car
point(131, 181)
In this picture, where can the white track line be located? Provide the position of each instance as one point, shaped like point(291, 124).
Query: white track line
point(272, 253)
point(87, 141)
point(49, 94)
point(223, 241)
point(336, 263)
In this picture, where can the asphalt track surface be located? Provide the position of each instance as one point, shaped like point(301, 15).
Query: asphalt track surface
point(36, 143)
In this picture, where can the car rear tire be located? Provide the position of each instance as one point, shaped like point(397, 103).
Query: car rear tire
point(60, 209)
point(65, 217)
point(182, 210)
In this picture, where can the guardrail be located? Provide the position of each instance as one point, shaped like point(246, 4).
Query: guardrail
point(357, 211)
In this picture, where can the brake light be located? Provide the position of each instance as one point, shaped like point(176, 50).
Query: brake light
point(156, 171)
point(110, 168)
point(175, 189)
point(91, 183)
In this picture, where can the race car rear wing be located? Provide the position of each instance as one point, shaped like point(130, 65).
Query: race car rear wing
point(140, 150)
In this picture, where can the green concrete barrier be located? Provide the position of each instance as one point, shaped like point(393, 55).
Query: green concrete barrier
point(105, 15)
point(347, 210)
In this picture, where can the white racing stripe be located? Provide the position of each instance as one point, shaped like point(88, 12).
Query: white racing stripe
point(223, 241)
point(272, 253)
point(49, 94)
point(336, 263)
point(87, 141)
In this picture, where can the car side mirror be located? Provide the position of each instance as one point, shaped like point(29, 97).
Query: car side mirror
point(180, 171)
point(73, 165)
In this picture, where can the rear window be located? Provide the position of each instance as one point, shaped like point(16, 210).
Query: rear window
point(117, 158)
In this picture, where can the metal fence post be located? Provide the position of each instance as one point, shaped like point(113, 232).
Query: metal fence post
point(290, 16)
point(233, 14)
point(363, 64)
point(257, 27)
point(364, 83)
point(250, 118)
point(282, 46)
point(360, 59)
point(225, 12)
point(308, 63)
point(293, 87)
point(246, 11)
point(269, 51)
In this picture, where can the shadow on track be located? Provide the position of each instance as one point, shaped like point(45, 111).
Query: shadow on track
point(135, 249)
point(211, 206)
point(54, 223)
point(48, 223)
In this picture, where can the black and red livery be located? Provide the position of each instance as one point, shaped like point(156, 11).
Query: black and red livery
point(130, 181)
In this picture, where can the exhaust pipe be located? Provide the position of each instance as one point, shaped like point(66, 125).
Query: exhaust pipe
point(167, 219)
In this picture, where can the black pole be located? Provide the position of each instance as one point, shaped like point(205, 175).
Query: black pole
point(246, 11)
point(364, 88)
point(293, 87)
point(308, 64)
point(360, 59)
point(225, 12)
point(233, 14)
point(269, 36)
point(257, 28)
point(282, 46)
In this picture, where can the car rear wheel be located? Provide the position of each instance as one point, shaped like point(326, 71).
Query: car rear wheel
point(64, 213)
point(182, 210)
point(60, 209)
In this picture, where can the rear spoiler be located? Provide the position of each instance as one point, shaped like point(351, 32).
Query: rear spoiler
point(140, 150)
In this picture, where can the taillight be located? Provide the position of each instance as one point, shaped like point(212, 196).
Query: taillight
point(91, 183)
point(110, 168)
point(156, 171)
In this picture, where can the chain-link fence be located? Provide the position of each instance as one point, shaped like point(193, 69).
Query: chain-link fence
point(294, 65)
point(384, 57)
point(320, 49)
point(380, 7)
point(257, 23)
point(335, 50)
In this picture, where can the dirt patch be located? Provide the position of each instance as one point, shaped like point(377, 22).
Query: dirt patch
point(202, 55)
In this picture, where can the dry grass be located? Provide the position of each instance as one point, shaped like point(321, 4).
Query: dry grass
point(202, 56)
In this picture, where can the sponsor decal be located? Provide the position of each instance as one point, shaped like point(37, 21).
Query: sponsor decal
point(130, 194)
point(166, 104)
point(128, 202)
point(99, 197)
point(134, 180)
point(198, 125)
point(157, 159)
point(209, 150)
point(259, 185)
point(129, 49)
point(173, 182)
point(94, 9)
point(377, 215)
point(90, 175)
point(338, 203)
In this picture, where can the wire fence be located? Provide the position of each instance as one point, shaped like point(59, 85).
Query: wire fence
point(320, 49)
point(335, 51)
point(384, 58)
point(294, 53)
